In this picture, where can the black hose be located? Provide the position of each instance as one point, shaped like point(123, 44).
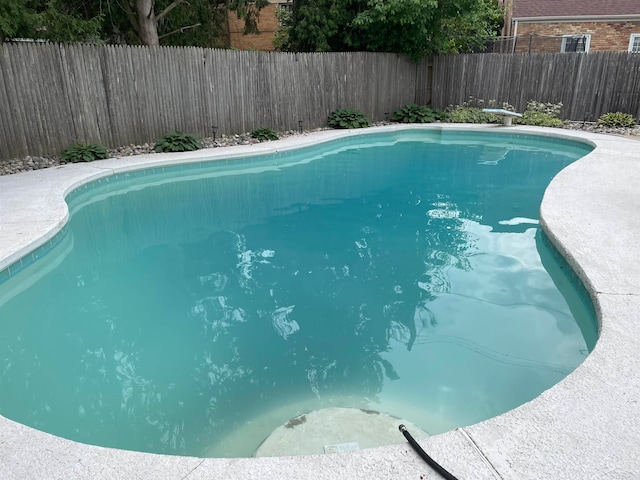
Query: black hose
point(430, 461)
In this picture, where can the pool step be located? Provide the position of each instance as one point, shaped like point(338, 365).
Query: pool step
point(335, 431)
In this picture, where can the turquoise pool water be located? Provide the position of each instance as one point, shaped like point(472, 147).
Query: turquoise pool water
point(192, 310)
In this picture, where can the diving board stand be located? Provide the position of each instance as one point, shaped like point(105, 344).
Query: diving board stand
point(506, 115)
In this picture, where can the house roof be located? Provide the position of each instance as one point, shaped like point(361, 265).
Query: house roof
point(574, 8)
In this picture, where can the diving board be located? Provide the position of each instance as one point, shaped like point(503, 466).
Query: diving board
point(507, 115)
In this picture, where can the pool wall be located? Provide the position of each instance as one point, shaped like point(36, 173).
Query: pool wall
point(585, 427)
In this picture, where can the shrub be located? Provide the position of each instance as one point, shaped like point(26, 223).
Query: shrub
point(178, 142)
point(264, 134)
point(552, 109)
point(541, 114)
point(617, 119)
point(471, 112)
point(461, 114)
point(347, 118)
point(84, 153)
point(412, 113)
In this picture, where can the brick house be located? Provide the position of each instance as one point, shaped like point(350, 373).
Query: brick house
point(267, 25)
point(573, 25)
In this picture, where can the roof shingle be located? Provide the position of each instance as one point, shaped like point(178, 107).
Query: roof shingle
point(570, 8)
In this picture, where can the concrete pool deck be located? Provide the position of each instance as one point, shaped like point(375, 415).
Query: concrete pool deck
point(585, 427)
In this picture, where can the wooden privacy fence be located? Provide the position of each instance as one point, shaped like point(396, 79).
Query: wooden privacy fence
point(588, 85)
point(54, 95)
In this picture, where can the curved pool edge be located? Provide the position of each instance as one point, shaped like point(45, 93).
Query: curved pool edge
point(587, 426)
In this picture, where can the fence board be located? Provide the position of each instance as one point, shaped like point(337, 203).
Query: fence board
point(23, 99)
point(9, 134)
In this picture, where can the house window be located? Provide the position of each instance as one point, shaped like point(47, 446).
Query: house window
point(575, 43)
point(634, 43)
point(288, 6)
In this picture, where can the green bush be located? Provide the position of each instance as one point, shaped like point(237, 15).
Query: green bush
point(461, 114)
point(178, 142)
point(539, 119)
point(412, 113)
point(537, 113)
point(471, 112)
point(84, 153)
point(264, 134)
point(551, 109)
point(541, 115)
point(347, 118)
point(617, 119)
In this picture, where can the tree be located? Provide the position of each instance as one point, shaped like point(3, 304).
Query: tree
point(144, 19)
point(207, 22)
point(474, 28)
point(411, 27)
point(149, 22)
point(321, 25)
point(13, 15)
point(281, 37)
point(199, 22)
point(249, 10)
point(46, 19)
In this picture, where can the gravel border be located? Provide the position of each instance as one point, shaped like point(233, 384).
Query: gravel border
point(9, 167)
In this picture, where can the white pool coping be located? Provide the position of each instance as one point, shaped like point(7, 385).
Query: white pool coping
point(585, 427)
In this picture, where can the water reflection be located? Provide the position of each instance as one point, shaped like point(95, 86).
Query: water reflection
point(393, 278)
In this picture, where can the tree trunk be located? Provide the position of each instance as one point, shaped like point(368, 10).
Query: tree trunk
point(147, 22)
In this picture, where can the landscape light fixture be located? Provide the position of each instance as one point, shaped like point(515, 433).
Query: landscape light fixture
point(300, 125)
point(214, 129)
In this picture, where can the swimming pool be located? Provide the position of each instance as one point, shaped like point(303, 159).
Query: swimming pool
point(415, 333)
